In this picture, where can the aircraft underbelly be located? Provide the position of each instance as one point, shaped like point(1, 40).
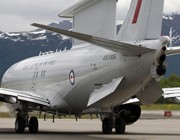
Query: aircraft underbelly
point(77, 98)
point(128, 88)
point(135, 78)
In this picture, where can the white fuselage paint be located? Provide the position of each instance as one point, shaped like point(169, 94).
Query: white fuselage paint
point(92, 67)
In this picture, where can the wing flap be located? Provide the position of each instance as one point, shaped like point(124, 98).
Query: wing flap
point(125, 48)
point(103, 92)
point(151, 93)
point(24, 96)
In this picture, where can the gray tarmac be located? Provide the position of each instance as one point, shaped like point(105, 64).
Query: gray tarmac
point(144, 129)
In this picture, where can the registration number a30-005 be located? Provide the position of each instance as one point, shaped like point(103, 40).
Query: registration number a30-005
point(109, 57)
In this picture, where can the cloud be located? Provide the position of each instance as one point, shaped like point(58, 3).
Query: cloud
point(172, 6)
point(12, 23)
point(122, 8)
point(17, 15)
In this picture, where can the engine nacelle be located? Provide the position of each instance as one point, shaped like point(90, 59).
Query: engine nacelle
point(159, 68)
point(130, 113)
point(162, 56)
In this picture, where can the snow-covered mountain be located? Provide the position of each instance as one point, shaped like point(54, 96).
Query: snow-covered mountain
point(171, 27)
point(20, 45)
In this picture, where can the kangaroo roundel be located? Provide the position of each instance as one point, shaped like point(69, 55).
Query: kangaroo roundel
point(72, 77)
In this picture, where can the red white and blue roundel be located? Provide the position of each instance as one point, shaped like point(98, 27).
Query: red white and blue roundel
point(72, 77)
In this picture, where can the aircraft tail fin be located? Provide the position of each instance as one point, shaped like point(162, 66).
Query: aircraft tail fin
point(144, 21)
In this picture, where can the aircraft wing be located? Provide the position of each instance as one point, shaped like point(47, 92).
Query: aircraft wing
point(168, 93)
point(13, 96)
point(124, 48)
point(171, 92)
point(173, 50)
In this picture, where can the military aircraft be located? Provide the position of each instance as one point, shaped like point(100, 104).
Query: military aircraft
point(102, 71)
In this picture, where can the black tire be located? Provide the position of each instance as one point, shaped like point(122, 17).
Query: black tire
point(120, 126)
point(107, 126)
point(33, 125)
point(20, 125)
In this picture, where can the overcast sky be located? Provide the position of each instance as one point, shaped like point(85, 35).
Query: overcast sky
point(17, 15)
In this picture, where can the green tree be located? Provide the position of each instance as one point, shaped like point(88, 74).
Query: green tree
point(172, 81)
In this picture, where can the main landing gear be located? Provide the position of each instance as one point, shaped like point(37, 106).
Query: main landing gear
point(23, 121)
point(120, 117)
point(109, 123)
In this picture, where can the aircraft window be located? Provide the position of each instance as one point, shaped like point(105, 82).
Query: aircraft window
point(36, 74)
point(44, 73)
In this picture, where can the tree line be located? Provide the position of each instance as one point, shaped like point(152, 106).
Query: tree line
point(170, 82)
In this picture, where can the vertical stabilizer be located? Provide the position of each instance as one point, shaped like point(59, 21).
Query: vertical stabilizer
point(93, 17)
point(144, 21)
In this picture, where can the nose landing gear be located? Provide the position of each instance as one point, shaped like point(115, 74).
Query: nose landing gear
point(20, 124)
point(23, 121)
point(33, 125)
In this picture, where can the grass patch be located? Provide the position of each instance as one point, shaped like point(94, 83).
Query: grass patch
point(162, 107)
point(175, 107)
point(50, 116)
point(4, 115)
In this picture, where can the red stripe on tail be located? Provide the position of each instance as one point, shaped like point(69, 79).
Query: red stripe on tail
point(136, 14)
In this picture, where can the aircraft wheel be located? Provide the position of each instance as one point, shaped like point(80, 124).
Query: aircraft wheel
point(120, 126)
point(20, 125)
point(33, 125)
point(107, 126)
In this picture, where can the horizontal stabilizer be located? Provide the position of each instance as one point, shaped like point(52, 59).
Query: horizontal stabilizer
point(124, 48)
point(173, 50)
point(103, 92)
point(13, 96)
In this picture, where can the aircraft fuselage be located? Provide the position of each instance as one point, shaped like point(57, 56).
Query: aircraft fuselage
point(68, 78)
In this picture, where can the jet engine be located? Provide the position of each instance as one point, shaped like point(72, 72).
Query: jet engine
point(130, 113)
point(161, 68)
